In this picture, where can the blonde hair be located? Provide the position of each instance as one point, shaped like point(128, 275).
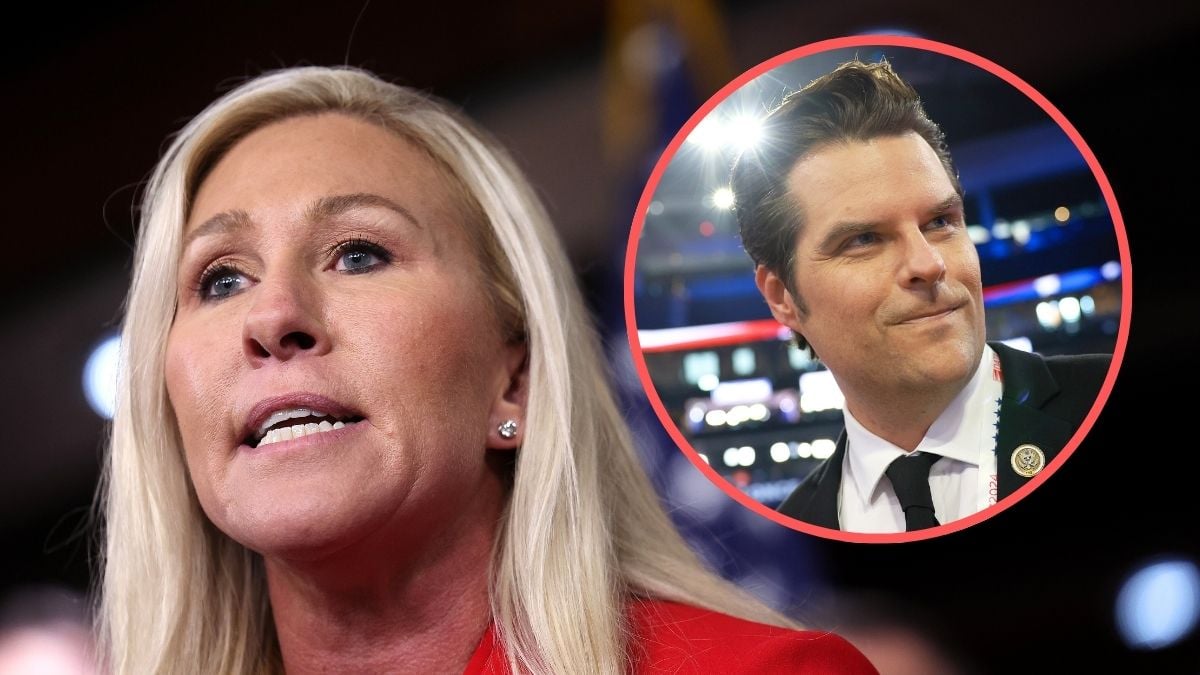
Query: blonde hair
point(583, 531)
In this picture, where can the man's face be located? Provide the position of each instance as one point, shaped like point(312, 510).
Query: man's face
point(888, 284)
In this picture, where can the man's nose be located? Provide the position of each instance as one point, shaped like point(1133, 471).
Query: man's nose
point(285, 319)
point(923, 264)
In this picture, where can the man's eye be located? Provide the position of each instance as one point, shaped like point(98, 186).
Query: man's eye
point(221, 282)
point(860, 240)
point(941, 222)
point(360, 256)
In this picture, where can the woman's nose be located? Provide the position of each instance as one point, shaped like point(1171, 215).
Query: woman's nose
point(284, 320)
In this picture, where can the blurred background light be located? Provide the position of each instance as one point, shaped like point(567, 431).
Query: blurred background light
point(1048, 315)
point(745, 455)
point(1068, 307)
point(1110, 270)
point(714, 418)
point(978, 234)
point(1159, 604)
point(823, 448)
point(1021, 232)
point(1047, 285)
point(819, 391)
point(1021, 342)
point(734, 392)
point(730, 457)
point(100, 376)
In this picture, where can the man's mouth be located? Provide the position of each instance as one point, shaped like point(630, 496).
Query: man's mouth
point(931, 314)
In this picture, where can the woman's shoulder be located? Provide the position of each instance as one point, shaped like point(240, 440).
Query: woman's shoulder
point(671, 637)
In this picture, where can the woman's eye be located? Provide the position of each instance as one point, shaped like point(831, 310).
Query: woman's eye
point(221, 283)
point(360, 256)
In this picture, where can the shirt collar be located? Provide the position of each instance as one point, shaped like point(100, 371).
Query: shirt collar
point(954, 434)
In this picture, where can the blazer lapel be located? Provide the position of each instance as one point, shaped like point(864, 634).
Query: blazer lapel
point(1028, 384)
point(822, 509)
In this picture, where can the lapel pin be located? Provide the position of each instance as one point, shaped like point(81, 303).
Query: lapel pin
point(1028, 460)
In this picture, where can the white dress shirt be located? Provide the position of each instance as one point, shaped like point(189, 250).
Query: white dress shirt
point(962, 482)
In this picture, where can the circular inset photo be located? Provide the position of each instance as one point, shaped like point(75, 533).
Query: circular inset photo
point(878, 289)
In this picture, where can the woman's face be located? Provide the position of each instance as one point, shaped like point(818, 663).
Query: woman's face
point(327, 278)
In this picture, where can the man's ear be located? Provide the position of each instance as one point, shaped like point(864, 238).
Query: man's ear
point(779, 298)
point(507, 418)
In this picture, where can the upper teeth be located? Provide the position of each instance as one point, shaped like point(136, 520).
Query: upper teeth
point(283, 415)
point(299, 430)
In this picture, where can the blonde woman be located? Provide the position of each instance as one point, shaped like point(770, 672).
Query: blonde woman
point(363, 424)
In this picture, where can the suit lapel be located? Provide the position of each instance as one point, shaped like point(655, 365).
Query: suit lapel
point(1028, 384)
point(823, 508)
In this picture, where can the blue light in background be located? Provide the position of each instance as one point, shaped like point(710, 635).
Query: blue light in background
point(1072, 281)
point(1159, 604)
point(100, 376)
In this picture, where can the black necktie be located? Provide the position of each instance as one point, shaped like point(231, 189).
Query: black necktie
point(910, 479)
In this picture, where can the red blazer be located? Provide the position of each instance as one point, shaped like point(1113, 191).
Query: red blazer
point(681, 640)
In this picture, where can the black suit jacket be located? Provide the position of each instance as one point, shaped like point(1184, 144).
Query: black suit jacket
point(1045, 400)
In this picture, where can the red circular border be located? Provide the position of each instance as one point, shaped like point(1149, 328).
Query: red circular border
point(639, 221)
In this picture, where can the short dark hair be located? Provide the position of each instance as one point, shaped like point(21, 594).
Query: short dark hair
point(855, 102)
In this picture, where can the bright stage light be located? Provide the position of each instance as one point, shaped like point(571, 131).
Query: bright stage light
point(100, 376)
point(743, 132)
point(722, 198)
point(709, 134)
point(736, 133)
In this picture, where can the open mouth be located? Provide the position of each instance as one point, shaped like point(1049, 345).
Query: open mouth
point(287, 425)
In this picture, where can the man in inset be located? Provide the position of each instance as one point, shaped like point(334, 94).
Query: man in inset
point(853, 214)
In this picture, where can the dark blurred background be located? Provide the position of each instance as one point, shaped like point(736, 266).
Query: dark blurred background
point(586, 94)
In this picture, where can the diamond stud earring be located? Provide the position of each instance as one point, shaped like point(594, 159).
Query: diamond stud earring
point(508, 429)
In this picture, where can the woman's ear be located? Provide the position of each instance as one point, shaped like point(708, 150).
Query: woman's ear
point(508, 412)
